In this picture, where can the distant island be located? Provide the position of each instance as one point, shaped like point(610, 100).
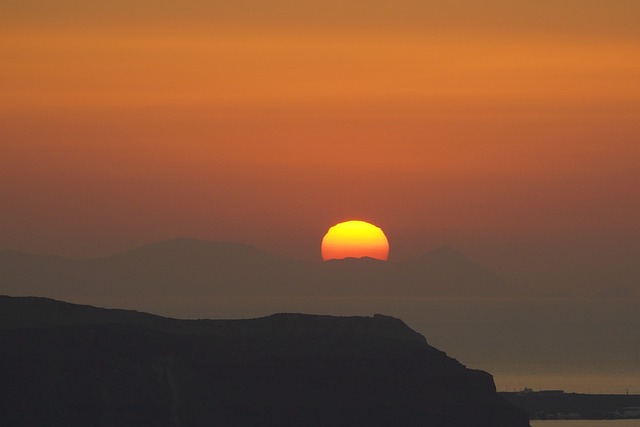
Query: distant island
point(558, 405)
point(71, 365)
point(200, 268)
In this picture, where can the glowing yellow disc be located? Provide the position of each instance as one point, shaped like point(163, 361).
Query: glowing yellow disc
point(355, 239)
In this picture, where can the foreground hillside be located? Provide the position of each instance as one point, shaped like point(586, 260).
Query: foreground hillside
point(70, 365)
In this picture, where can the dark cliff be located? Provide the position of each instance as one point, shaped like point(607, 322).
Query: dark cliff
point(68, 365)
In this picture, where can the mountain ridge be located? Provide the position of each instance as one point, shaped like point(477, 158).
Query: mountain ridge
point(39, 312)
point(189, 267)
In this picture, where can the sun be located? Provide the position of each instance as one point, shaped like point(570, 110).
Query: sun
point(355, 239)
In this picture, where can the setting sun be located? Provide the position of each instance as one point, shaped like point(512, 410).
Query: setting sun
point(355, 239)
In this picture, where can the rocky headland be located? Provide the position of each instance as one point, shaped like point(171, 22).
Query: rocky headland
point(69, 365)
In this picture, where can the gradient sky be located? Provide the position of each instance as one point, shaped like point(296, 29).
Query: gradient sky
point(493, 126)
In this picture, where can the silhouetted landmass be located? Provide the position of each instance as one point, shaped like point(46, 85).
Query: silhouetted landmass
point(616, 292)
point(187, 267)
point(549, 405)
point(69, 365)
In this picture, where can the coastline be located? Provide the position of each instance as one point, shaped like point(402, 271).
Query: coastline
point(558, 405)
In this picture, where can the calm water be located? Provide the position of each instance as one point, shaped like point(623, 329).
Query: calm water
point(587, 423)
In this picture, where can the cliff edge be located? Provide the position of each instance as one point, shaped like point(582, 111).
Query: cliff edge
point(69, 365)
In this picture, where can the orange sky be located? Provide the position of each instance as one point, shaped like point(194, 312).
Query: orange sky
point(264, 122)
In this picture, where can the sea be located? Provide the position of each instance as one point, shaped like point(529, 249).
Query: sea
point(586, 423)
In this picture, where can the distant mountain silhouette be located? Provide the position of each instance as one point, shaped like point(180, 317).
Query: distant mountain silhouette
point(616, 292)
point(187, 267)
point(448, 272)
point(68, 365)
point(170, 268)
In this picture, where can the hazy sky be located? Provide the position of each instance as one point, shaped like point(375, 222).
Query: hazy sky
point(487, 125)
